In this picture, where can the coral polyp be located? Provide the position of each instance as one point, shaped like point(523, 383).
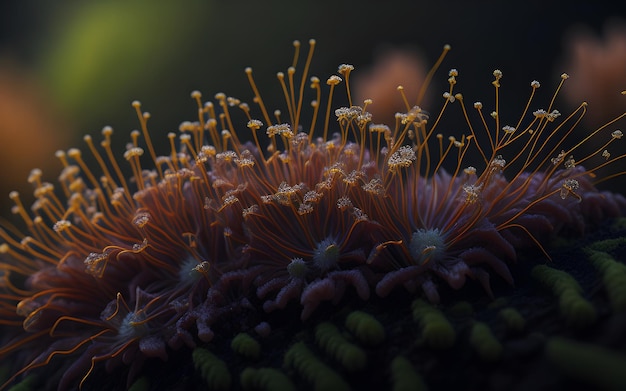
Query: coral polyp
point(232, 229)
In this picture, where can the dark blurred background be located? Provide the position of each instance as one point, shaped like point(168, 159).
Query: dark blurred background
point(69, 67)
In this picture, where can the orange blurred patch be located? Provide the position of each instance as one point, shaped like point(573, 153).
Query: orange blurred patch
point(597, 66)
point(30, 130)
point(391, 68)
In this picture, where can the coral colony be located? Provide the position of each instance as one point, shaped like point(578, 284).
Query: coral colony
point(115, 271)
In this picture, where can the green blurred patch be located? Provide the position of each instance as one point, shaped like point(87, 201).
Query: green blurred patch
point(104, 52)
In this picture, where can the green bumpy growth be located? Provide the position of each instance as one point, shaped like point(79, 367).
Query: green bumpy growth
point(461, 309)
point(270, 379)
point(213, 370)
point(141, 384)
point(29, 383)
point(513, 319)
point(484, 342)
point(404, 377)
point(313, 370)
point(328, 337)
point(607, 245)
point(5, 370)
point(613, 278)
point(592, 364)
point(365, 327)
point(246, 346)
point(577, 311)
point(437, 331)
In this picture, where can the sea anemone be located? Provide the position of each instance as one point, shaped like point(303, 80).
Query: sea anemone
point(119, 270)
point(455, 224)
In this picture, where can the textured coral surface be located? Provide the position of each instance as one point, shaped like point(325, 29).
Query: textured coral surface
point(536, 346)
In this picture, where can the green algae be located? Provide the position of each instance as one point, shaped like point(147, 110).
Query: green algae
point(246, 346)
point(29, 383)
point(461, 309)
point(484, 342)
point(5, 373)
point(312, 369)
point(613, 277)
point(599, 367)
point(404, 377)
point(437, 331)
point(619, 223)
point(141, 384)
point(366, 328)
point(349, 355)
point(608, 245)
point(214, 371)
point(513, 320)
point(498, 302)
point(577, 311)
point(269, 379)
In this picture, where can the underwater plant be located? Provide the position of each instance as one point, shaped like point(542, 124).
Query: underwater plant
point(115, 270)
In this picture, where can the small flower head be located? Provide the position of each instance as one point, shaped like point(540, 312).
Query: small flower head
point(427, 245)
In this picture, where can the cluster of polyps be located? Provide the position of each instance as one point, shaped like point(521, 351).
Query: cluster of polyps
point(120, 269)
